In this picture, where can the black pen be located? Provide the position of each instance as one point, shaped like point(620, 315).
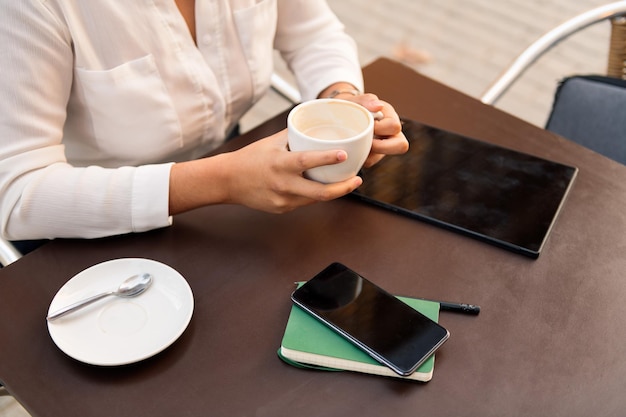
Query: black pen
point(443, 305)
point(457, 307)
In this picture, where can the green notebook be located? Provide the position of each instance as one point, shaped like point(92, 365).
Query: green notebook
point(311, 344)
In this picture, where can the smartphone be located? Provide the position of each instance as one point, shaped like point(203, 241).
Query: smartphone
point(387, 329)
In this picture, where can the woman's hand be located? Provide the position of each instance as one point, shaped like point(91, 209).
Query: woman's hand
point(266, 176)
point(263, 175)
point(388, 136)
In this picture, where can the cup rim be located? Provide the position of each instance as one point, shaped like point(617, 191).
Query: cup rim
point(368, 115)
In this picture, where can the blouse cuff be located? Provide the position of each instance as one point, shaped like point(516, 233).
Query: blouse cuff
point(311, 90)
point(150, 197)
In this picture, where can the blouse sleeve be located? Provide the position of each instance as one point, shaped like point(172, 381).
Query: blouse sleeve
point(41, 195)
point(315, 46)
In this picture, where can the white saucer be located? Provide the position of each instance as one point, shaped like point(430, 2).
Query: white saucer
point(119, 331)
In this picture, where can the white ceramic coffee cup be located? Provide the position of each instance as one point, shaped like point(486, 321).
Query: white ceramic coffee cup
point(329, 124)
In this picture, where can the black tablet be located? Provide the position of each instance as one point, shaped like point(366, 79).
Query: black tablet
point(494, 194)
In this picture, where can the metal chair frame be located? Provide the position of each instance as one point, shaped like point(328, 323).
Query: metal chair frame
point(8, 253)
point(617, 49)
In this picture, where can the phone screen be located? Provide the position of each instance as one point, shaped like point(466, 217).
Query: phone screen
point(390, 331)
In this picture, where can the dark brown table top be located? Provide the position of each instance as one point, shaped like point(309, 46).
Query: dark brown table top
point(550, 339)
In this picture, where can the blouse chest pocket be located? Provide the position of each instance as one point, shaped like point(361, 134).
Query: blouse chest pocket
point(132, 115)
point(256, 26)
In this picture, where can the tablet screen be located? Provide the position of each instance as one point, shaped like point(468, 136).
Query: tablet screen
point(495, 194)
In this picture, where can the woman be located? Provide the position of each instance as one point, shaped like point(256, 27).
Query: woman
point(107, 105)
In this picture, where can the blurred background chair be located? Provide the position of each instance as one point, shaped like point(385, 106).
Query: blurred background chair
point(286, 90)
point(589, 110)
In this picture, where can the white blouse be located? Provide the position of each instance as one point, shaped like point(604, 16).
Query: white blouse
point(99, 98)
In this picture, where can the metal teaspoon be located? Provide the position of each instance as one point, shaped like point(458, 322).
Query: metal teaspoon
point(131, 287)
